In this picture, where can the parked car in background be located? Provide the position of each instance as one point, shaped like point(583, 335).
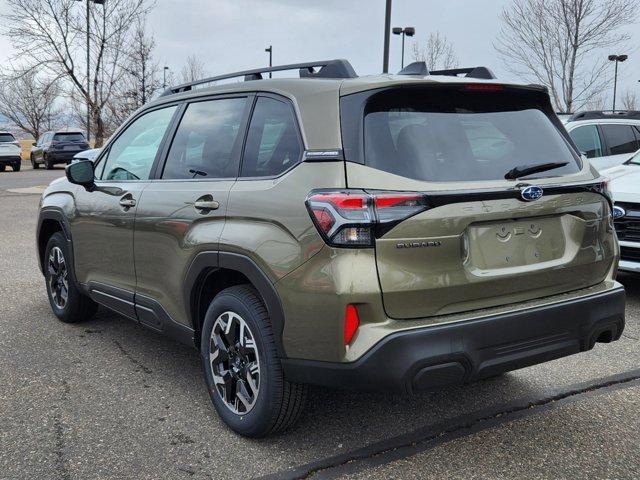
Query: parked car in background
point(607, 138)
point(57, 147)
point(91, 154)
point(10, 152)
point(396, 232)
point(625, 188)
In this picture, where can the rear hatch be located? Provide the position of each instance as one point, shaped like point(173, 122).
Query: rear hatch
point(70, 142)
point(475, 239)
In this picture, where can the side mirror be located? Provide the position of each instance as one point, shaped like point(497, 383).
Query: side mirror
point(34, 144)
point(81, 173)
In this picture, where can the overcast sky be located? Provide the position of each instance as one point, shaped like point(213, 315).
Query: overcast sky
point(231, 35)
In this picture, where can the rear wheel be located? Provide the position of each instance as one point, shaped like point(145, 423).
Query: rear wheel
point(67, 302)
point(241, 366)
point(16, 167)
point(47, 164)
point(2, 168)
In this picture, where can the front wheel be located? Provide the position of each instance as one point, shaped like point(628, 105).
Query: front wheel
point(67, 302)
point(34, 165)
point(16, 167)
point(2, 168)
point(47, 164)
point(242, 369)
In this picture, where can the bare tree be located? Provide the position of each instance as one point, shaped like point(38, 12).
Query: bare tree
point(629, 100)
point(50, 36)
point(29, 102)
point(563, 44)
point(595, 102)
point(437, 52)
point(192, 70)
point(141, 80)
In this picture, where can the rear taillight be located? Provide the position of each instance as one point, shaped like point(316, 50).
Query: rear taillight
point(353, 218)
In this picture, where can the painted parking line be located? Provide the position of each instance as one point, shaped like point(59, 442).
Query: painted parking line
point(37, 190)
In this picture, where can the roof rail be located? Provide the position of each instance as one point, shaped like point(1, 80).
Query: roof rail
point(328, 69)
point(420, 68)
point(600, 114)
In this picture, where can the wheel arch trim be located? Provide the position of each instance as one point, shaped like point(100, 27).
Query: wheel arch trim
point(206, 261)
point(53, 213)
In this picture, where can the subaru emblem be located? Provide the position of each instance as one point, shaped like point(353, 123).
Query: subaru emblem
point(531, 193)
point(618, 212)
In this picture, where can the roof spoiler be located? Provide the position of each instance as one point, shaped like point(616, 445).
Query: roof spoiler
point(420, 69)
point(338, 68)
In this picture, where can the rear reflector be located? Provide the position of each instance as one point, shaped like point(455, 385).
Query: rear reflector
point(351, 323)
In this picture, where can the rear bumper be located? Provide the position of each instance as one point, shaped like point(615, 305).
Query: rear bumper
point(433, 357)
point(61, 156)
point(10, 160)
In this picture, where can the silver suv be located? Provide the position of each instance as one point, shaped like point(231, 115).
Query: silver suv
point(607, 138)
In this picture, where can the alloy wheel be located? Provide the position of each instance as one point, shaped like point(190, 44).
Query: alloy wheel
point(58, 278)
point(234, 362)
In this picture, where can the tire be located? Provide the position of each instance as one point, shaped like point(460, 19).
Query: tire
point(277, 404)
point(76, 307)
point(47, 164)
point(16, 167)
point(2, 168)
point(34, 165)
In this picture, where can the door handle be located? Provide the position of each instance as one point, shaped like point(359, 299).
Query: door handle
point(127, 201)
point(205, 204)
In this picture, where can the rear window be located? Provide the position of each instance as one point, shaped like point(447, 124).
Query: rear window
point(448, 134)
point(7, 137)
point(68, 137)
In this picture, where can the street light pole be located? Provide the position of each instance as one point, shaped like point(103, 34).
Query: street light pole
point(164, 77)
point(270, 51)
point(88, 99)
point(407, 31)
point(88, 80)
point(616, 59)
point(387, 31)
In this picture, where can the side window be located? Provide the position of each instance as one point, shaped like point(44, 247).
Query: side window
point(206, 144)
point(273, 144)
point(588, 141)
point(620, 139)
point(46, 138)
point(131, 155)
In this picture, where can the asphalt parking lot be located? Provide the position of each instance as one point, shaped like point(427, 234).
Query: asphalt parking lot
point(109, 399)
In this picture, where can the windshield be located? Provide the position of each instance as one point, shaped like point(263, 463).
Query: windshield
point(453, 135)
point(68, 137)
point(6, 137)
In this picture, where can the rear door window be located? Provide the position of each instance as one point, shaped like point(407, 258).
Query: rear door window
point(273, 143)
point(587, 139)
point(448, 135)
point(620, 139)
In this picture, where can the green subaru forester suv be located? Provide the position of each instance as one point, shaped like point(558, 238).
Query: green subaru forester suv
point(398, 232)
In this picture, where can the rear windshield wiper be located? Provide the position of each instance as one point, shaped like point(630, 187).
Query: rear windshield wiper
point(524, 170)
